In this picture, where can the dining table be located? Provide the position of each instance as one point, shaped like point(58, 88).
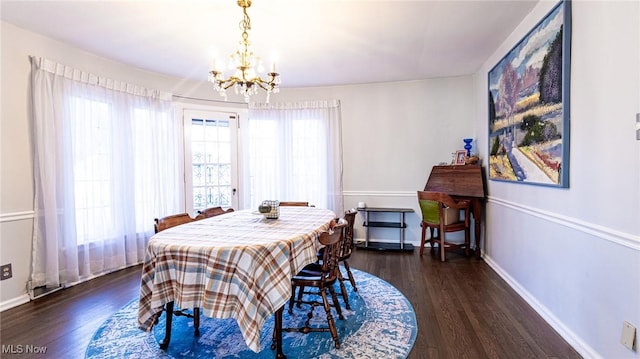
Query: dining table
point(235, 265)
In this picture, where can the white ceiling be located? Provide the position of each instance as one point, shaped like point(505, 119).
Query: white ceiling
point(317, 42)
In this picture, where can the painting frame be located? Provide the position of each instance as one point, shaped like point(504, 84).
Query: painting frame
point(461, 157)
point(528, 105)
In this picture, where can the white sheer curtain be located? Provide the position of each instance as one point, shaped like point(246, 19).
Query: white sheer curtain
point(107, 161)
point(294, 153)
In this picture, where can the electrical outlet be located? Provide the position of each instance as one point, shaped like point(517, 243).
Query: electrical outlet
point(6, 272)
point(628, 335)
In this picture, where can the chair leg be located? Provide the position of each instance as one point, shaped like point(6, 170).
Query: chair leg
point(292, 299)
point(327, 309)
point(423, 239)
point(343, 290)
point(300, 293)
point(351, 278)
point(432, 240)
point(334, 297)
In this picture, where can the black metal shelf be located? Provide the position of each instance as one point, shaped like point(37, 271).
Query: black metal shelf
point(383, 246)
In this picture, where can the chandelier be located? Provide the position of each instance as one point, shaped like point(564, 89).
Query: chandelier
point(246, 67)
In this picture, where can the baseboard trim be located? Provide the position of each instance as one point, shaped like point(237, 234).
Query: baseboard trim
point(14, 302)
point(575, 341)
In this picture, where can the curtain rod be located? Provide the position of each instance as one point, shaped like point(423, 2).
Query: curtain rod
point(209, 100)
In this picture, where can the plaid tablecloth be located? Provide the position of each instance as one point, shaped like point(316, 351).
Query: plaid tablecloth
point(236, 265)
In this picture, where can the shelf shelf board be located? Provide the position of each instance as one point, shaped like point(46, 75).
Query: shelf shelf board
point(386, 247)
point(385, 224)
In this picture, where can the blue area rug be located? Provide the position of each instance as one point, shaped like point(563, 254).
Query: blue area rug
point(380, 324)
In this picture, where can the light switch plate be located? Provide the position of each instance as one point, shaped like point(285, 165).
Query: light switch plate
point(628, 335)
point(638, 126)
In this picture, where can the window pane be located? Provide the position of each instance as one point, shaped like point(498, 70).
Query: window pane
point(198, 149)
point(288, 159)
point(92, 153)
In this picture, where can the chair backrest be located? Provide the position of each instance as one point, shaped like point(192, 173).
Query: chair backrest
point(212, 212)
point(332, 242)
point(171, 221)
point(429, 205)
point(348, 245)
point(296, 204)
point(433, 204)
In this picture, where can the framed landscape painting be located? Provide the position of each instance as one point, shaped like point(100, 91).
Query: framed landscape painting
point(529, 105)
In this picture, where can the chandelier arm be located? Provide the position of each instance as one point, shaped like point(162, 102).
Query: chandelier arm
point(225, 84)
point(262, 86)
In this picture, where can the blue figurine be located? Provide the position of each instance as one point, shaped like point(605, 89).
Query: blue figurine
point(467, 145)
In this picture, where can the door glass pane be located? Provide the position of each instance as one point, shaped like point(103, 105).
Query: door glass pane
point(211, 156)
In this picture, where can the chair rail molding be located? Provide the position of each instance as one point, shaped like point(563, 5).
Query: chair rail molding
point(16, 216)
point(380, 194)
point(609, 234)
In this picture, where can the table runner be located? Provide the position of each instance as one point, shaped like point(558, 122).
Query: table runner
point(236, 265)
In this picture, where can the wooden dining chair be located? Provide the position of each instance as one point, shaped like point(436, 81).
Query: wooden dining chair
point(345, 253)
point(212, 212)
point(295, 204)
point(160, 225)
point(171, 221)
point(441, 214)
point(319, 278)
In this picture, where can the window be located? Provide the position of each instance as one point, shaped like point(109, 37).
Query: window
point(288, 160)
point(295, 153)
point(107, 161)
point(94, 156)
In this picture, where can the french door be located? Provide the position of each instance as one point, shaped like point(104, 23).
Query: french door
point(211, 159)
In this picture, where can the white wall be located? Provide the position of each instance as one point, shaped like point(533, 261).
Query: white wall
point(574, 253)
point(393, 133)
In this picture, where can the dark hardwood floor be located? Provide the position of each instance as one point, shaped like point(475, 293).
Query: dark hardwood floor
point(464, 310)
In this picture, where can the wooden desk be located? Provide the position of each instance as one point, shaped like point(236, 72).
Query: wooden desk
point(221, 264)
point(465, 182)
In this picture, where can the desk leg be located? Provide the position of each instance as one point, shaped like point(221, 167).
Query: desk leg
point(476, 210)
point(477, 233)
point(164, 344)
point(278, 331)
